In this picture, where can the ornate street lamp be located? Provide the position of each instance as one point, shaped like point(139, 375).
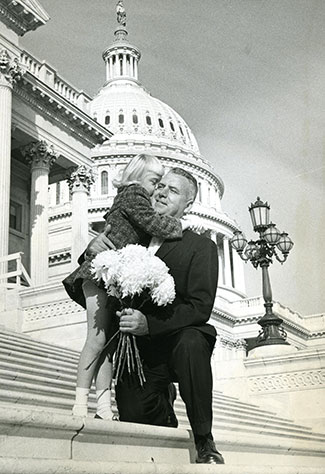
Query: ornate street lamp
point(260, 253)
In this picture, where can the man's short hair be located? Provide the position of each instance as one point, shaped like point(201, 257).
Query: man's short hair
point(189, 177)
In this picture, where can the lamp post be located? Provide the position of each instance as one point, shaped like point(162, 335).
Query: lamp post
point(260, 253)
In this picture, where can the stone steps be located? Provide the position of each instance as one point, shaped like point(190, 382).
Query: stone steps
point(35, 441)
point(45, 466)
point(37, 383)
point(6, 335)
point(40, 373)
point(60, 393)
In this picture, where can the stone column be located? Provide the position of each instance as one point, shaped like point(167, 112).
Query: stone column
point(124, 64)
point(132, 66)
point(41, 157)
point(227, 262)
point(117, 65)
point(214, 236)
point(239, 272)
point(80, 179)
point(10, 72)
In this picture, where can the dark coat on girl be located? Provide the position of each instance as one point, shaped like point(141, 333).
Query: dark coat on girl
point(132, 219)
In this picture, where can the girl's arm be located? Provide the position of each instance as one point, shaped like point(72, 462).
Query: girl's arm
point(138, 209)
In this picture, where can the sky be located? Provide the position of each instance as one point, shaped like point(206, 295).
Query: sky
point(248, 77)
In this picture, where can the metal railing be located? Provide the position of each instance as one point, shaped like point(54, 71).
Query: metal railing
point(13, 278)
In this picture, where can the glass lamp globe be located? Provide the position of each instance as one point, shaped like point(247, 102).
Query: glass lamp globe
point(238, 241)
point(260, 215)
point(271, 234)
point(284, 243)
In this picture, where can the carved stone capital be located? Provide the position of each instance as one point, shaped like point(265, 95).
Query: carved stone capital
point(40, 155)
point(80, 179)
point(240, 344)
point(10, 70)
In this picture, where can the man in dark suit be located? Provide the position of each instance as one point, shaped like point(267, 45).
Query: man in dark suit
point(176, 342)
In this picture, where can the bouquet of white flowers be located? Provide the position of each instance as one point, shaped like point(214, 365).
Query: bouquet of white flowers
point(130, 273)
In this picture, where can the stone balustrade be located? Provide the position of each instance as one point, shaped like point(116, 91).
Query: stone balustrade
point(47, 74)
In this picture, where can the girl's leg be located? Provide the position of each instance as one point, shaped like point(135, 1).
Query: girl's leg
point(97, 325)
point(103, 378)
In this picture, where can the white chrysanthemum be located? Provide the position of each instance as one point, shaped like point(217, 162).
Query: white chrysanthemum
point(106, 265)
point(157, 270)
point(164, 293)
point(131, 270)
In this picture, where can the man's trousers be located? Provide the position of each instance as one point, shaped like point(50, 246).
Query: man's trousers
point(183, 357)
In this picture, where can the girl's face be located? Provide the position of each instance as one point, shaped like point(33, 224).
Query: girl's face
point(149, 181)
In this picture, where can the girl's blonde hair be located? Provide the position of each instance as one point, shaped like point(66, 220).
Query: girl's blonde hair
point(135, 169)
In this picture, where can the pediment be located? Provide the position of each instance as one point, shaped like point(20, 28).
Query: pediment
point(22, 15)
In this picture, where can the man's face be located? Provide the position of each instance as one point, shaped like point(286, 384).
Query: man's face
point(173, 195)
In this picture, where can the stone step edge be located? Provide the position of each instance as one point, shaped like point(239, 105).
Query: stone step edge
point(24, 337)
point(224, 429)
point(66, 394)
point(46, 466)
point(40, 352)
point(29, 339)
point(179, 405)
point(225, 398)
point(31, 419)
point(21, 362)
point(35, 362)
point(223, 416)
point(27, 357)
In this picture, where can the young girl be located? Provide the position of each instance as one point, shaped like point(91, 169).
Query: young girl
point(132, 220)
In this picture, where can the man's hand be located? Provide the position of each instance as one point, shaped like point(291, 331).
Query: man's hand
point(133, 321)
point(100, 243)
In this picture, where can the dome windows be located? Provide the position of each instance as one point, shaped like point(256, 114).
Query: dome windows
point(148, 120)
point(181, 130)
point(107, 119)
point(104, 182)
point(135, 119)
point(161, 122)
point(121, 118)
point(171, 126)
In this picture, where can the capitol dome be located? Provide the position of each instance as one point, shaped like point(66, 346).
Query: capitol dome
point(127, 108)
point(129, 111)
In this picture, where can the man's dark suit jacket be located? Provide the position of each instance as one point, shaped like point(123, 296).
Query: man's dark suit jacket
point(193, 262)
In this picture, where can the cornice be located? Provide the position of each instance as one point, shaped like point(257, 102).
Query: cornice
point(21, 17)
point(199, 164)
point(289, 326)
point(217, 219)
point(215, 179)
point(95, 210)
point(44, 99)
point(57, 257)
point(61, 215)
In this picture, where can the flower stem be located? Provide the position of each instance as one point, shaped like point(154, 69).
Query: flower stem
point(106, 345)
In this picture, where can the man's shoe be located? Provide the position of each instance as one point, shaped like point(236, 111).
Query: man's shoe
point(207, 453)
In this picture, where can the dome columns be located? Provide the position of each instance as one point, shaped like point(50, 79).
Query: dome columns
point(121, 62)
point(227, 263)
